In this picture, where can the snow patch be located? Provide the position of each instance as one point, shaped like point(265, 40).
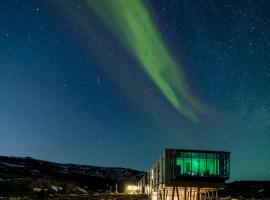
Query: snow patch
point(81, 190)
point(36, 189)
point(11, 165)
point(56, 188)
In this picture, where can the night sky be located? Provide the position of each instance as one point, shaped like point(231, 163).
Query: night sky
point(114, 82)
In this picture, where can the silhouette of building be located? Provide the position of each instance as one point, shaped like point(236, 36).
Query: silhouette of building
point(186, 174)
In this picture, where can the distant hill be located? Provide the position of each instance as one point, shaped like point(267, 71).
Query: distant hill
point(247, 190)
point(40, 179)
point(28, 176)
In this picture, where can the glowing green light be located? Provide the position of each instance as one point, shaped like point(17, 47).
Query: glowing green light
point(131, 22)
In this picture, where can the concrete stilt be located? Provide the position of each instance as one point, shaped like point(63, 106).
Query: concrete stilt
point(173, 193)
point(177, 193)
point(163, 198)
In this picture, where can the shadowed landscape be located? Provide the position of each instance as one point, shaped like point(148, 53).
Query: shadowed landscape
point(37, 179)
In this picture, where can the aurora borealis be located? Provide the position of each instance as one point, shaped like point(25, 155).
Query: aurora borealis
point(114, 82)
point(132, 23)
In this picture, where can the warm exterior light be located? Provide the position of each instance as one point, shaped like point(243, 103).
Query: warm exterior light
point(132, 187)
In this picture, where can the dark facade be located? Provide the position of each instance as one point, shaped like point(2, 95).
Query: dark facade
point(187, 173)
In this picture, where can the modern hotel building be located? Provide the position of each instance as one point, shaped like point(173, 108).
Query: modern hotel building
point(186, 174)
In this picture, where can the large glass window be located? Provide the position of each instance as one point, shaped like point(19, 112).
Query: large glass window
point(200, 164)
point(179, 165)
point(203, 164)
point(210, 164)
point(224, 165)
point(187, 163)
point(195, 164)
point(216, 163)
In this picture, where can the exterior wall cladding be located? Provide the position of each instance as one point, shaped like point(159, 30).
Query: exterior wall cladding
point(187, 174)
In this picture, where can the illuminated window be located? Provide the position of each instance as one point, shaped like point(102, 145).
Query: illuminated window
point(187, 163)
point(179, 166)
point(203, 164)
point(195, 164)
point(200, 164)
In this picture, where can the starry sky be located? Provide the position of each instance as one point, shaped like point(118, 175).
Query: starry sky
point(114, 84)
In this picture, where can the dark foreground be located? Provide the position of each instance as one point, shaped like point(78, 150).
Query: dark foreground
point(86, 197)
point(27, 178)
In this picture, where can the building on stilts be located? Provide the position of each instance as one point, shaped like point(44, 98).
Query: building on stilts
point(181, 174)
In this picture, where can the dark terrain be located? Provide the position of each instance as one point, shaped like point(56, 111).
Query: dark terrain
point(31, 177)
point(37, 179)
point(247, 190)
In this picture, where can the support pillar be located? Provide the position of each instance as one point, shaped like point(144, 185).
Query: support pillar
point(173, 193)
point(163, 194)
point(160, 195)
point(177, 193)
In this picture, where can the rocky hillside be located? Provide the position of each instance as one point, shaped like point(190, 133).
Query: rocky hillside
point(247, 190)
point(24, 176)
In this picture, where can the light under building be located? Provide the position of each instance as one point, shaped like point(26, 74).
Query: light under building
point(186, 174)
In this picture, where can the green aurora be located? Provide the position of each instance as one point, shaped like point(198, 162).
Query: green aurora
point(131, 22)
